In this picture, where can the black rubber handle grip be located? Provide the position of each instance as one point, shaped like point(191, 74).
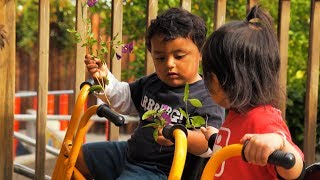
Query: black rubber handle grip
point(105, 111)
point(278, 157)
point(89, 81)
point(167, 131)
point(283, 159)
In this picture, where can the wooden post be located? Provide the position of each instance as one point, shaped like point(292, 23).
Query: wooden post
point(152, 11)
point(43, 69)
point(219, 13)
point(311, 103)
point(283, 36)
point(7, 85)
point(250, 4)
point(80, 69)
point(116, 30)
point(186, 4)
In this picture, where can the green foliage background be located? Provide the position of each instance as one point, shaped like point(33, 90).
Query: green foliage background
point(134, 20)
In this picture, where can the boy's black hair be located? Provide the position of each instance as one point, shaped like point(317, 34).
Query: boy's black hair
point(244, 56)
point(177, 22)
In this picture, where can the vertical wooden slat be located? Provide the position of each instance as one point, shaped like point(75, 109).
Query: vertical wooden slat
point(80, 69)
point(116, 30)
point(311, 102)
point(43, 67)
point(186, 4)
point(152, 11)
point(7, 87)
point(283, 36)
point(219, 13)
point(250, 4)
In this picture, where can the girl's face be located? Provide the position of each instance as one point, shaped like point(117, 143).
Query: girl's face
point(217, 93)
point(176, 61)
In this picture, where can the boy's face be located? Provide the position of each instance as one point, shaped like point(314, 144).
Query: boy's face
point(176, 61)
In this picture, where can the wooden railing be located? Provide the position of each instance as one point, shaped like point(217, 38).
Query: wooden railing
point(7, 70)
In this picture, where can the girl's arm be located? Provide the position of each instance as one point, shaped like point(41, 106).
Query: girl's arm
point(260, 146)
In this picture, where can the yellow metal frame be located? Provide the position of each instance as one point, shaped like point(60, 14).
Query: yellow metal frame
point(69, 151)
point(65, 164)
point(217, 159)
point(180, 154)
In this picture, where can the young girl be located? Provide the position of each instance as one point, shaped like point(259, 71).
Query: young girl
point(241, 70)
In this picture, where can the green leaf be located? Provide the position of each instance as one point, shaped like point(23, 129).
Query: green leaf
point(195, 102)
point(95, 88)
point(154, 125)
point(149, 113)
point(184, 114)
point(186, 92)
point(189, 126)
point(155, 134)
point(197, 121)
point(71, 30)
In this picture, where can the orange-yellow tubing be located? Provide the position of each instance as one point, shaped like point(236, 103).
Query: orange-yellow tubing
point(180, 153)
point(82, 129)
point(77, 111)
point(59, 170)
point(217, 159)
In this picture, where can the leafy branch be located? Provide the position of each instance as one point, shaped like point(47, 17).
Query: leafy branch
point(88, 40)
point(161, 118)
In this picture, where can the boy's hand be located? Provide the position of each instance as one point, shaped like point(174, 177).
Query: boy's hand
point(95, 67)
point(208, 131)
point(162, 140)
point(260, 146)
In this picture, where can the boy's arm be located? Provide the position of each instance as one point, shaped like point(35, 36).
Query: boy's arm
point(197, 144)
point(119, 95)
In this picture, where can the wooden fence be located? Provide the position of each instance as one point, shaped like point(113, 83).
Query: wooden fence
point(7, 70)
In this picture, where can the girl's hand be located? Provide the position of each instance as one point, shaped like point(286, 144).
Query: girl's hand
point(95, 67)
point(260, 146)
point(208, 131)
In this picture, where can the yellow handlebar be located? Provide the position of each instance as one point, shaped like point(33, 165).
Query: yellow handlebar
point(180, 153)
point(217, 159)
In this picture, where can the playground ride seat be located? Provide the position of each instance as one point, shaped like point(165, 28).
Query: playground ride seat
point(65, 165)
point(284, 159)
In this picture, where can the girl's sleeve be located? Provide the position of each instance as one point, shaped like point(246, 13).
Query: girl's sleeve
point(119, 95)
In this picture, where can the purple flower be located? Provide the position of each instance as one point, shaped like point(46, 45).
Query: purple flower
point(118, 56)
point(91, 2)
point(166, 117)
point(127, 48)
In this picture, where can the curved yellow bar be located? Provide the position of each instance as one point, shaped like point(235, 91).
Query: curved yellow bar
point(82, 130)
point(180, 153)
point(60, 168)
point(77, 111)
point(217, 159)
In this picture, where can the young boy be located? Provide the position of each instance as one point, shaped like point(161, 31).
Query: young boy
point(174, 39)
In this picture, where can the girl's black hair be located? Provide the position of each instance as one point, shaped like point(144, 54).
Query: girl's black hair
point(244, 56)
point(177, 22)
